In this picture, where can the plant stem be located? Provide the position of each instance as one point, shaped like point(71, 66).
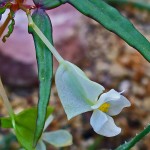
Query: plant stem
point(6, 101)
point(5, 24)
point(44, 39)
point(137, 138)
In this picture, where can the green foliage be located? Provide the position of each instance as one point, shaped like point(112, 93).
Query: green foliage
point(24, 126)
point(137, 138)
point(142, 4)
point(7, 141)
point(45, 67)
point(48, 4)
point(3, 9)
point(96, 143)
point(112, 20)
point(10, 28)
point(6, 123)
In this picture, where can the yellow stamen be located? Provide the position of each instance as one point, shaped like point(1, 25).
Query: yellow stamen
point(104, 107)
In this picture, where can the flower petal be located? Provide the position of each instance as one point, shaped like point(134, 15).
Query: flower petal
point(48, 121)
point(77, 93)
point(98, 119)
point(92, 89)
point(40, 145)
point(111, 95)
point(58, 138)
point(104, 124)
point(116, 106)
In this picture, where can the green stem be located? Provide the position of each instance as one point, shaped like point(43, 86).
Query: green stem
point(44, 39)
point(136, 139)
point(6, 102)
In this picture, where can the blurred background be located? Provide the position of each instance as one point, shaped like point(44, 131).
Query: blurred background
point(102, 55)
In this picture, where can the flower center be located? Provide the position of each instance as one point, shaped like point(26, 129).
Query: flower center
point(104, 107)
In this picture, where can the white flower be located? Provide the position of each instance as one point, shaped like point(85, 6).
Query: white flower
point(59, 138)
point(78, 94)
point(109, 104)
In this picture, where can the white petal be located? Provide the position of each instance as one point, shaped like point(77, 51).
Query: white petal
point(40, 145)
point(92, 89)
point(98, 119)
point(104, 124)
point(105, 97)
point(48, 121)
point(58, 138)
point(109, 129)
point(116, 106)
point(115, 99)
point(77, 93)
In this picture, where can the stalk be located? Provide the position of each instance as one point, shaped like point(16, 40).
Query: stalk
point(136, 139)
point(6, 102)
point(44, 39)
point(3, 27)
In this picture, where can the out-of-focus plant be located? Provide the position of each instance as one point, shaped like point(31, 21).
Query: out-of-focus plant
point(6, 142)
point(59, 138)
point(77, 93)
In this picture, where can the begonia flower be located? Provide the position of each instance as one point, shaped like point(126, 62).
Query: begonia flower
point(78, 94)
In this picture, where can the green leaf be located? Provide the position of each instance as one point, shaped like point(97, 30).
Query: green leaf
point(49, 4)
point(10, 28)
point(112, 20)
point(3, 9)
point(6, 122)
point(45, 67)
point(142, 4)
point(24, 127)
